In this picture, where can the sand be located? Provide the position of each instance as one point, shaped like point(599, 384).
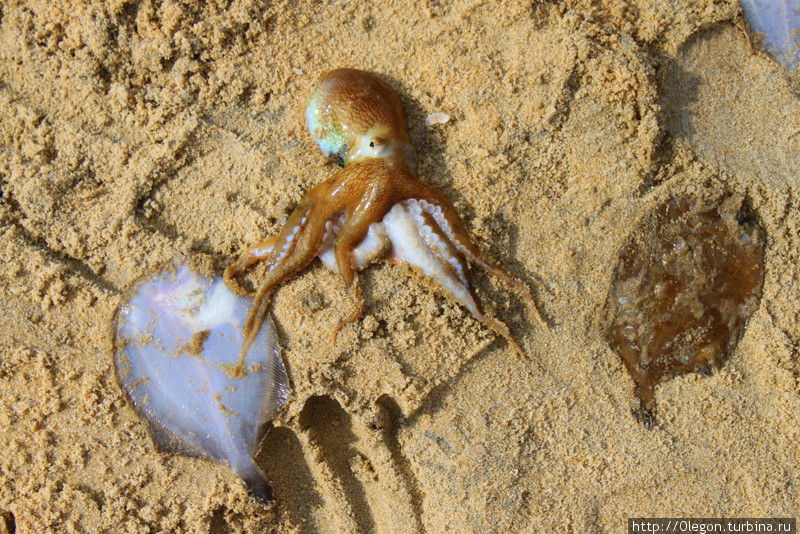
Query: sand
point(132, 132)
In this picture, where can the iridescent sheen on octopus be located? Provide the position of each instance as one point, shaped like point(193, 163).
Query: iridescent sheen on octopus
point(375, 202)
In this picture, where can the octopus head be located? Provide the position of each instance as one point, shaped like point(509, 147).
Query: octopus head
point(354, 115)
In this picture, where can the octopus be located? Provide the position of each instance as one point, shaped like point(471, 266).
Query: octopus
point(376, 202)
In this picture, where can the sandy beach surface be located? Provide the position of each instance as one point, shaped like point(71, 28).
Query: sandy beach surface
point(134, 131)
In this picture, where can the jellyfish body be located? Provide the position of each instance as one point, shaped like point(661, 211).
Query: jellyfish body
point(178, 335)
point(779, 23)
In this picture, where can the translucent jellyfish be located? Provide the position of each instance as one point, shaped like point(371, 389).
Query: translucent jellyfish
point(779, 23)
point(178, 335)
point(687, 281)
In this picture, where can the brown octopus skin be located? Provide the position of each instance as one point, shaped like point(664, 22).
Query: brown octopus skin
point(363, 192)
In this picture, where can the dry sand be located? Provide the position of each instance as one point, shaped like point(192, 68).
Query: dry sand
point(131, 132)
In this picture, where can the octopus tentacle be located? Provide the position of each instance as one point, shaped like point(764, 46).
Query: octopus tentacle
point(264, 250)
point(371, 207)
point(354, 230)
point(453, 227)
point(500, 328)
point(258, 253)
point(296, 246)
point(443, 247)
point(439, 244)
point(355, 315)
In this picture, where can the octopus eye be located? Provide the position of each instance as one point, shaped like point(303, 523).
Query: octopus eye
point(372, 144)
point(376, 142)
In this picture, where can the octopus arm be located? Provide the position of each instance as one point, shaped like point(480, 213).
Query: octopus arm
point(370, 249)
point(407, 231)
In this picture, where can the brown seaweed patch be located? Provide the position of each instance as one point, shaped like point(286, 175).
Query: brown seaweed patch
point(687, 281)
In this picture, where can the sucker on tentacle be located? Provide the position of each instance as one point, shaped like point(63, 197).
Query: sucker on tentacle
point(376, 201)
